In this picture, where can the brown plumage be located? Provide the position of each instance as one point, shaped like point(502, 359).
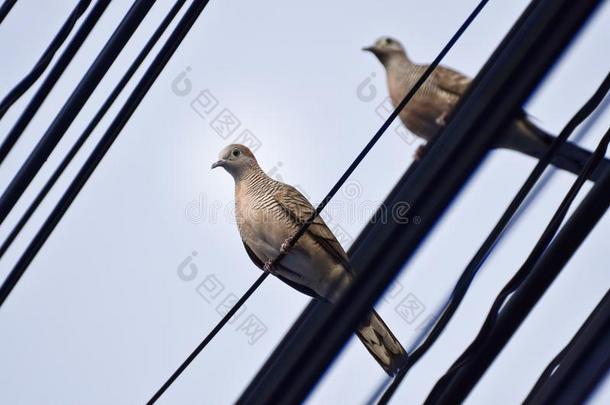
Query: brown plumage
point(268, 213)
point(428, 110)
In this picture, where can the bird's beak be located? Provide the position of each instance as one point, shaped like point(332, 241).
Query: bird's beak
point(220, 163)
point(369, 49)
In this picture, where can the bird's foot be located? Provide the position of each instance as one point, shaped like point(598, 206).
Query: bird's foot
point(441, 120)
point(286, 246)
point(268, 267)
point(420, 152)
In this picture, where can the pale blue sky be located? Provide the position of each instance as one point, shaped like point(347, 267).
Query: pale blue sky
point(102, 315)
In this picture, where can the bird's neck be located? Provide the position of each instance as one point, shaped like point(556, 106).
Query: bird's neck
point(252, 179)
point(396, 61)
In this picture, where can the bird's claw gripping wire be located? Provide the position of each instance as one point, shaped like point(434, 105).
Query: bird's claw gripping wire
point(441, 120)
point(268, 267)
point(286, 246)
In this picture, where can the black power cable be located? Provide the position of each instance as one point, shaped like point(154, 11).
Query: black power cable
point(479, 258)
point(348, 172)
point(469, 367)
point(72, 107)
point(548, 372)
point(132, 102)
point(572, 375)
point(91, 126)
point(6, 8)
point(42, 63)
point(54, 74)
point(553, 366)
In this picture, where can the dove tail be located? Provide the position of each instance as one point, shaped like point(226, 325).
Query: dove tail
point(524, 136)
point(381, 343)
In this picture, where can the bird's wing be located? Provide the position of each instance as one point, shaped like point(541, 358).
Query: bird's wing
point(450, 80)
point(259, 263)
point(300, 210)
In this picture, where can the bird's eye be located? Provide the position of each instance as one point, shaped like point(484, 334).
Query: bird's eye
point(236, 152)
point(388, 41)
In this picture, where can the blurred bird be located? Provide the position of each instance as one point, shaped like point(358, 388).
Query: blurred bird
point(268, 214)
point(427, 112)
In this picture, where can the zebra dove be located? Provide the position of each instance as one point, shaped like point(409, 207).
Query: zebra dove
point(268, 214)
point(428, 110)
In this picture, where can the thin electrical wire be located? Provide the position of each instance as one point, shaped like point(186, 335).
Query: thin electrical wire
point(293, 240)
point(44, 60)
point(467, 358)
point(51, 79)
point(91, 126)
point(242, 300)
point(490, 242)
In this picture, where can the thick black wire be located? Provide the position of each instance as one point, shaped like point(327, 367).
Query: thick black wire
point(44, 60)
point(91, 126)
point(331, 193)
point(549, 371)
point(72, 107)
point(6, 8)
point(479, 258)
point(516, 281)
point(54, 74)
point(103, 145)
point(554, 364)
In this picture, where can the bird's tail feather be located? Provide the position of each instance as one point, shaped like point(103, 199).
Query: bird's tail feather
point(381, 343)
point(524, 136)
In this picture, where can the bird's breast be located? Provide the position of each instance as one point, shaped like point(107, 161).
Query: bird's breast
point(422, 111)
point(262, 224)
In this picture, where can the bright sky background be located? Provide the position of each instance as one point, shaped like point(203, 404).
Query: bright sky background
point(102, 315)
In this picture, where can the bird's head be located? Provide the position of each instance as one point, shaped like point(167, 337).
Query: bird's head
point(236, 159)
point(385, 48)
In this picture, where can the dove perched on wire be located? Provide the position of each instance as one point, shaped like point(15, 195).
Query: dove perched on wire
point(427, 112)
point(268, 214)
